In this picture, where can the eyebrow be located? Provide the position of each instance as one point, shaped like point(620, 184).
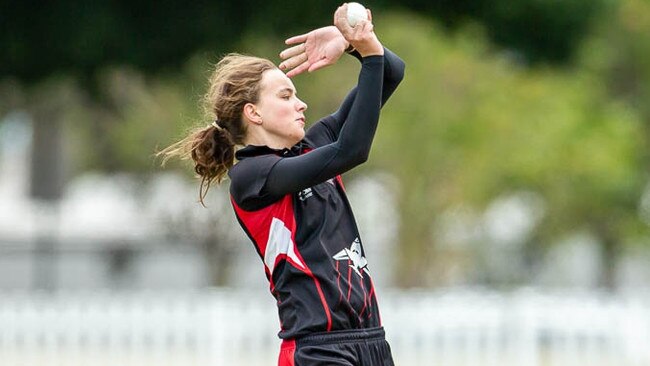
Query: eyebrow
point(287, 89)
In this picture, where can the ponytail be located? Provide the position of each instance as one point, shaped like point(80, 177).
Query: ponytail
point(236, 80)
point(212, 151)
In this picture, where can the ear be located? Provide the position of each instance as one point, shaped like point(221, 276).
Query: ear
point(251, 113)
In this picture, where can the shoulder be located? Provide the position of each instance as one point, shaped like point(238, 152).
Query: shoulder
point(246, 169)
point(248, 178)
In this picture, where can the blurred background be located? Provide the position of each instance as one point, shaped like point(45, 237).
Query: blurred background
point(505, 208)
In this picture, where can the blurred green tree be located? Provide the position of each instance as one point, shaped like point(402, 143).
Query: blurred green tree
point(618, 52)
point(618, 55)
point(84, 40)
point(470, 125)
point(77, 37)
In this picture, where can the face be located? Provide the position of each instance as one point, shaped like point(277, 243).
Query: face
point(282, 113)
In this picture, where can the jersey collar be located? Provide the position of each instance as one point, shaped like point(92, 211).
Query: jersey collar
point(257, 150)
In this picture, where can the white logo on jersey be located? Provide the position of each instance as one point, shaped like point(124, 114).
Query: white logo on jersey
point(308, 192)
point(305, 193)
point(280, 243)
point(359, 262)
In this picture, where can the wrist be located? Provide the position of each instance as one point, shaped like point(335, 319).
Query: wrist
point(369, 47)
point(371, 51)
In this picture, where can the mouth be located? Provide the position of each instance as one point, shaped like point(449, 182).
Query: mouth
point(301, 120)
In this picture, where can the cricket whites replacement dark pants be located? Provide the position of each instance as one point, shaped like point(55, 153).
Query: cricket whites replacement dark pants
point(358, 347)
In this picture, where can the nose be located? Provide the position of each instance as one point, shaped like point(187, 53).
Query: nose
point(302, 106)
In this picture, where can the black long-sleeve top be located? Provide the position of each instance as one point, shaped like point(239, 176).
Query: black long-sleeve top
point(292, 205)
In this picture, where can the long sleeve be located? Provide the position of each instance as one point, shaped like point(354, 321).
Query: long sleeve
point(327, 129)
point(352, 146)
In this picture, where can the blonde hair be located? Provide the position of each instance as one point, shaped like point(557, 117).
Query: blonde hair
point(235, 81)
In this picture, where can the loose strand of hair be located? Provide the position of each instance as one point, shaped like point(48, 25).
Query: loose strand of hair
point(203, 189)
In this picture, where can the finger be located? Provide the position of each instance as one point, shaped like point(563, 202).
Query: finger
point(359, 29)
point(363, 26)
point(296, 39)
point(319, 64)
point(298, 70)
point(292, 51)
point(340, 16)
point(340, 12)
point(293, 62)
point(341, 21)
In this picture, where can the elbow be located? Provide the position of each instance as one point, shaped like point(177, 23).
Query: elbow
point(395, 67)
point(399, 70)
point(353, 157)
point(359, 157)
point(396, 74)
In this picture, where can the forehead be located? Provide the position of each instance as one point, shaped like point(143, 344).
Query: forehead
point(275, 80)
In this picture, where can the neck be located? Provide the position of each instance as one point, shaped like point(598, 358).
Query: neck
point(261, 138)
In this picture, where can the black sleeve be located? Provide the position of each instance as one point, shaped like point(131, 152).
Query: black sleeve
point(351, 147)
point(327, 130)
point(248, 178)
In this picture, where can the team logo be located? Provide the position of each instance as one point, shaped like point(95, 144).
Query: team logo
point(359, 262)
point(305, 193)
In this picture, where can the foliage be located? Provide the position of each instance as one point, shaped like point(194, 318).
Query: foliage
point(469, 125)
point(619, 52)
point(78, 38)
point(539, 30)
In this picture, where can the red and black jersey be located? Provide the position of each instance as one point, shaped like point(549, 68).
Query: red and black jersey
point(292, 205)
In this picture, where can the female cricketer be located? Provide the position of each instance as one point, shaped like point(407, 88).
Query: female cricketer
point(286, 187)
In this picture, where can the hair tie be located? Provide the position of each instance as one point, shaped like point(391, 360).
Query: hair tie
point(216, 125)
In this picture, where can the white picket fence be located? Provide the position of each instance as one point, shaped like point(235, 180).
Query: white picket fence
point(236, 328)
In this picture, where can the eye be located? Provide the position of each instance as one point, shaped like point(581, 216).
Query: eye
point(286, 97)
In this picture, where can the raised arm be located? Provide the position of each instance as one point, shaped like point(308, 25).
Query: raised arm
point(327, 129)
point(352, 146)
point(323, 47)
point(350, 149)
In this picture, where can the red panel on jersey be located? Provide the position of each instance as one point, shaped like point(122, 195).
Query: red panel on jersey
point(268, 228)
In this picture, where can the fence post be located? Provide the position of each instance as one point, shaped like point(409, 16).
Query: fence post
point(524, 330)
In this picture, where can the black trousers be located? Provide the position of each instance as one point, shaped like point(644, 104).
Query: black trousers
point(358, 347)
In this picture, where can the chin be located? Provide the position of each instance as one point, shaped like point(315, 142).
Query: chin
point(299, 136)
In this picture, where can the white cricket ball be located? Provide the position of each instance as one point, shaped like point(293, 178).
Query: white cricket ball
point(356, 12)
